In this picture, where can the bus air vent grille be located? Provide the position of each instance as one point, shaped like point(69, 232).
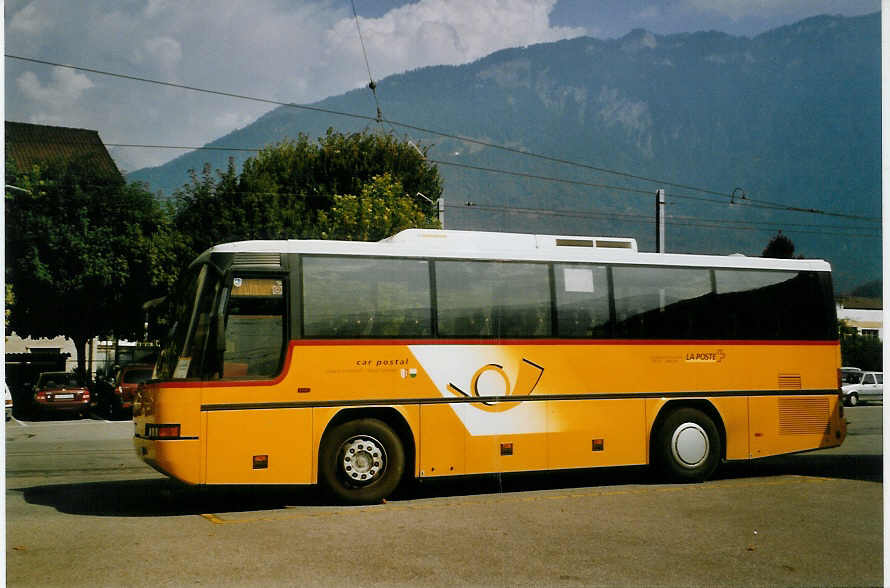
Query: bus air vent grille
point(257, 259)
point(789, 382)
point(803, 416)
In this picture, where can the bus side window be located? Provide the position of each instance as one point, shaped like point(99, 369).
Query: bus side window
point(355, 297)
point(492, 299)
point(664, 303)
point(255, 328)
point(582, 300)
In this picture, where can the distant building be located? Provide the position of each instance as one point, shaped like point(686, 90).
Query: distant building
point(866, 315)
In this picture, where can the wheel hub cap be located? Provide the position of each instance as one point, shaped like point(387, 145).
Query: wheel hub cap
point(363, 459)
point(690, 445)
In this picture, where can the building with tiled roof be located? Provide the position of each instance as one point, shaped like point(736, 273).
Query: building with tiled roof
point(28, 144)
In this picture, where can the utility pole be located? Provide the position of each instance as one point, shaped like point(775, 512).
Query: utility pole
point(439, 203)
point(659, 220)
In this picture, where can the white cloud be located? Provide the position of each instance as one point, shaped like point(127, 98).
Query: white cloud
point(164, 52)
point(29, 20)
point(66, 88)
point(290, 51)
point(444, 32)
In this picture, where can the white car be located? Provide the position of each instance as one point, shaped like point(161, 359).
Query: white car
point(870, 387)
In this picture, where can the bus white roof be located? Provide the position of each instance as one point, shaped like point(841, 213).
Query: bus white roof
point(454, 244)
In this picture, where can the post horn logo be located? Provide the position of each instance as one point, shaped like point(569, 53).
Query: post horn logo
point(496, 391)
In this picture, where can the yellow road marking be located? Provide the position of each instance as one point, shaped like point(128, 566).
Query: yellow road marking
point(214, 519)
point(514, 499)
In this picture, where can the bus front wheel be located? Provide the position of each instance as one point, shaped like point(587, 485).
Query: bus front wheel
point(688, 446)
point(361, 461)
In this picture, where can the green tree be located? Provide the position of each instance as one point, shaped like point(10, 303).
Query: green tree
point(83, 252)
point(864, 352)
point(300, 188)
point(10, 300)
point(779, 247)
point(382, 209)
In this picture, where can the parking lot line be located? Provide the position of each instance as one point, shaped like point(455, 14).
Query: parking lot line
point(216, 519)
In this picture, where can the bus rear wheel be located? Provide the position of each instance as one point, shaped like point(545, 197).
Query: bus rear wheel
point(361, 461)
point(688, 446)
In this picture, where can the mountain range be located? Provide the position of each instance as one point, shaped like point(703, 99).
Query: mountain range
point(747, 136)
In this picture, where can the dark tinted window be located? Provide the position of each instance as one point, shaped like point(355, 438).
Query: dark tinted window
point(664, 303)
point(255, 327)
point(759, 304)
point(582, 300)
point(137, 376)
point(57, 380)
point(493, 299)
point(190, 311)
point(351, 297)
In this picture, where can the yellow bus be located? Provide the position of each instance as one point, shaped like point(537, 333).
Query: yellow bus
point(446, 353)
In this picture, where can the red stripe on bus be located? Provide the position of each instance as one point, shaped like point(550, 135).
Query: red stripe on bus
point(378, 342)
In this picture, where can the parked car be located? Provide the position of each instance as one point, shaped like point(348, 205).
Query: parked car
point(120, 401)
point(850, 375)
point(61, 392)
point(8, 401)
point(868, 387)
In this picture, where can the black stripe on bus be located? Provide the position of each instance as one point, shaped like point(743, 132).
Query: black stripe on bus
point(499, 399)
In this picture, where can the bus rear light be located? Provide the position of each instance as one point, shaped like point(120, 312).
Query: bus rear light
point(166, 431)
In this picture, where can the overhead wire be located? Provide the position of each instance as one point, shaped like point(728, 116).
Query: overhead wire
point(676, 220)
point(372, 85)
point(744, 197)
point(747, 202)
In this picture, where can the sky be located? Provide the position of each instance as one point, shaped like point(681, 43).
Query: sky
point(298, 51)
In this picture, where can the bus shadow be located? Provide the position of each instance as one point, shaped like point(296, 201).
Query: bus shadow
point(866, 468)
point(163, 497)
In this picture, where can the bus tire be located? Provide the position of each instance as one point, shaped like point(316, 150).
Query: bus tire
point(688, 446)
point(361, 461)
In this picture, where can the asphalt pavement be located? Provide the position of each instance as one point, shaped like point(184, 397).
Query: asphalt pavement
point(82, 509)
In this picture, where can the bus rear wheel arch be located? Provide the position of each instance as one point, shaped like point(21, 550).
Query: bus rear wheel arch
point(361, 461)
point(687, 442)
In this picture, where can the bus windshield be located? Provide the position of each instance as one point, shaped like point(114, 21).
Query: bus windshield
point(190, 314)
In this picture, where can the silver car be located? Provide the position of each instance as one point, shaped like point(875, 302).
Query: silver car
point(870, 387)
